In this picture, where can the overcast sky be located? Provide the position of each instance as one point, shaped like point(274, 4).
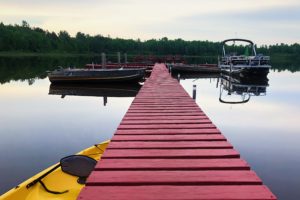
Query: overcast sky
point(263, 21)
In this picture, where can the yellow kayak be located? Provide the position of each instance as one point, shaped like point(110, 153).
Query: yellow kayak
point(61, 181)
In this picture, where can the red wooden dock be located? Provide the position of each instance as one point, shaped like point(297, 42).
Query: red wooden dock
point(166, 148)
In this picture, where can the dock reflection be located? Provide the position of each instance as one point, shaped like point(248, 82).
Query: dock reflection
point(189, 75)
point(95, 90)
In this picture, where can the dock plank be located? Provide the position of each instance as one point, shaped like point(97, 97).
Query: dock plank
point(165, 114)
point(170, 145)
point(177, 108)
point(200, 137)
point(167, 131)
point(176, 164)
point(164, 111)
point(163, 103)
point(164, 117)
point(171, 153)
point(164, 106)
point(139, 178)
point(164, 192)
point(167, 126)
point(170, 121)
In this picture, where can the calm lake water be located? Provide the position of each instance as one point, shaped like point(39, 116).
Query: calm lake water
point(38, 126)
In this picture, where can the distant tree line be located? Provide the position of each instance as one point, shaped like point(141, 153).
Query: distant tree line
point(35, 67)
point(25, 38)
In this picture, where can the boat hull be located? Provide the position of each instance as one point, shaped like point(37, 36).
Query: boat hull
point(262, 70)
point(56, 180)
point(96, 75)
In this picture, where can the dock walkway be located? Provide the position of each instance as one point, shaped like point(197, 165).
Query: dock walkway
point(166, 148)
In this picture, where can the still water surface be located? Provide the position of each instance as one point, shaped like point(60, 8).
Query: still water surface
point(38, 128)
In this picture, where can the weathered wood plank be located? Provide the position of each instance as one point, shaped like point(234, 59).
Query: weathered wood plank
point(167, 131)
point(183, 118)
point(170, 145)
point(200, 137)
point(164, 103)
point(164, 192)
point(164, 111)
point(163, 108)
point(167, 126)
point(171, 153)
point(172, 164)
point(166, 121)
point(139, 178)
point(166, 114)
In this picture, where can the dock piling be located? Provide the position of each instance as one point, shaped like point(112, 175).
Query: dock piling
point(119, 59)
point(103, 60)
point(194, 91)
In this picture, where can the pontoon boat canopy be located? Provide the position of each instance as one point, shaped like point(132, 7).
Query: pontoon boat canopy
point(237, 39)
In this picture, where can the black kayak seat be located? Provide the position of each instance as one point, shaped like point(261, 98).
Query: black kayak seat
point(78, 165)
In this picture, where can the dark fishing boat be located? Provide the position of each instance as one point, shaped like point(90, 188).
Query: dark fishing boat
point(96, 75)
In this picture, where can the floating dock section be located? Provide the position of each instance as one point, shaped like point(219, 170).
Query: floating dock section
point(166, 148)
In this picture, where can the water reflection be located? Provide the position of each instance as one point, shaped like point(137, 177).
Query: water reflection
point(195, 76)
point(233, 89)
point(237, 89)
point(32, 120)
point(95, 90)
point(32, 68)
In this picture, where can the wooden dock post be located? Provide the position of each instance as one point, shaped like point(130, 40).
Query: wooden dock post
point(194, 91)
point(103, 60)
point(119, 59)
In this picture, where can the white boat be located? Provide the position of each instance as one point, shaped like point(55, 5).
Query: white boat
point(248, 63)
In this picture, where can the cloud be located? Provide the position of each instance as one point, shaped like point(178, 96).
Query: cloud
point(265, 26)
point(266, 22)
point(287, 13)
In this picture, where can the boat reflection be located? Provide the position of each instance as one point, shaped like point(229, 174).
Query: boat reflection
point(237, 89)
point(95, 90)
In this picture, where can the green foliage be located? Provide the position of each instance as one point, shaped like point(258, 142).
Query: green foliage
point(24, 38)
